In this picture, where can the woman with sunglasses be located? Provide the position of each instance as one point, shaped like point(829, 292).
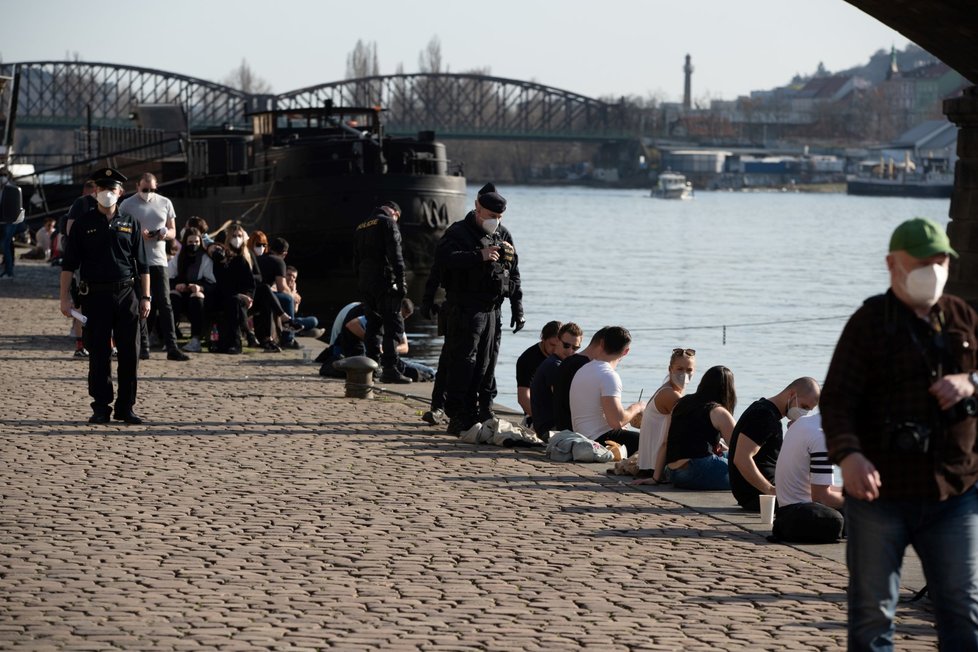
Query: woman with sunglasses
point(699, 432)
point(655, 419)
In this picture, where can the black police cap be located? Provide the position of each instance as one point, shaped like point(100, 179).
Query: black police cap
point(490, 199)
point(108, 178)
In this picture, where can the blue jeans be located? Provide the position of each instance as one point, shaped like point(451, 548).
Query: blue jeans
point(306, 322)
point(945, 536)
point(288, 305)
point(706, 473)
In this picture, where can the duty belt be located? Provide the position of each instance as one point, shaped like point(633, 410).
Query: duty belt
point(87, 287)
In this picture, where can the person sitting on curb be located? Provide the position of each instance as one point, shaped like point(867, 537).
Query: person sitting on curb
point(542, 387)
point(757, 439)
point(350, 342)
point(699, 427)
point(307, 326)
point(565, 376)
point(193, 286)
point(655, 419)
point(809, 506)
point(527, 363)
point(595, 394)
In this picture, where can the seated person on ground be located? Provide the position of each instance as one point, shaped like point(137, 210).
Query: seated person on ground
point(565, 376)
point(595, 394)
point(542, 387)
point(43, 240)
point(307, 326)
point(527, 363)
point(699, 426)
point(349, 342)
point(268, 312)
point(655, 419)
point(809, 506)
point(757, 438)
point(234, 271)
point(193, 287)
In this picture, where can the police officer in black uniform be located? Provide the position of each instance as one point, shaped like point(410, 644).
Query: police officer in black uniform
point(105, 246)
point(380, 272)
point(479, 269)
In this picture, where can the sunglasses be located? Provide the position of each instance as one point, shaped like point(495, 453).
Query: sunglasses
point(689, 353)
point(568, 345)
point(148, 190)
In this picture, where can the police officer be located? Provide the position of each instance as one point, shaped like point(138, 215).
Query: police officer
point(380, 272)
point(104, 245)
point(479, 269)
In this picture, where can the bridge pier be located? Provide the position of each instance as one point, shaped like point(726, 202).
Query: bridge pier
point(963, 228)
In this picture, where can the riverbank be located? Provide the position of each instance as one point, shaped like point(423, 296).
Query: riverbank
point(259, 508)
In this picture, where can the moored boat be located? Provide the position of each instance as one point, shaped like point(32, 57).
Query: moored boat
point(672, 185)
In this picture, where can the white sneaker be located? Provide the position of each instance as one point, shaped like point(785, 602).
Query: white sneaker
point(193, 346)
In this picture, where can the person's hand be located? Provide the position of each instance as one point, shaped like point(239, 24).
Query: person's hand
point(183, 287)
point(144, 307)
point(517, 322)
point(66, 306)
point(951, 389)
point(860, 479)
point(490, 253)
point(148, 235)
point(248, 300)
point(508, 252)
point(638, 406)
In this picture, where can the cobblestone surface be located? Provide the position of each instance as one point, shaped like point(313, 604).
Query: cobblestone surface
point(259, 509)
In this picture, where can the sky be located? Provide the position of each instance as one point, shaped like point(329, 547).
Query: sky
point(596, 48)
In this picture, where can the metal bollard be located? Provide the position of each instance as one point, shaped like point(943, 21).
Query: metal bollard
point(359, 371)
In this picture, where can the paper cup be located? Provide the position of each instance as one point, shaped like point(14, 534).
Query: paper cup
point(767, 509)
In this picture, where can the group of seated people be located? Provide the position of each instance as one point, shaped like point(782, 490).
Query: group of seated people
point(237, 285)
point(688, 439)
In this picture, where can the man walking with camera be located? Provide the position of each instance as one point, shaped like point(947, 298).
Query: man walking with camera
point(898, 410)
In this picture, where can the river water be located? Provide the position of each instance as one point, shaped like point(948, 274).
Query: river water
point(761, 282)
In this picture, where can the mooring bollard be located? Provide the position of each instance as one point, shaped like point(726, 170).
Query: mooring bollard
point(359, 371)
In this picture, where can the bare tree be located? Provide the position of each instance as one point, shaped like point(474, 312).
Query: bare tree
point(244, 79)
point(362, 61)
point(429, 60)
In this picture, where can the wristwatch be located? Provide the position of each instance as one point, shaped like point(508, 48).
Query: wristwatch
point(146, 298)
point(973, 377)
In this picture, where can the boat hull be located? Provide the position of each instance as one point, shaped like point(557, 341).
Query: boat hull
point(891, 188)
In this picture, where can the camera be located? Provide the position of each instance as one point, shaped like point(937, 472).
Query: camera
point(908, 437)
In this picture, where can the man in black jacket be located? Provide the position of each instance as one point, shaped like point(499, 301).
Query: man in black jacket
point(380, 271)
point(479, 269)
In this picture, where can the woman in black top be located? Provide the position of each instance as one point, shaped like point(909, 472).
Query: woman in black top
point(192, 286)
point(234, 270)
point(699, 431)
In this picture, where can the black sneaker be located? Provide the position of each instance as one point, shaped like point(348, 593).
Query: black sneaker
point(433, 417)
point(485, 415)
point(253, 340)
point(290, 344)
point(394, 376)
point(177, 354)
point(81, 353)
point(270, 347)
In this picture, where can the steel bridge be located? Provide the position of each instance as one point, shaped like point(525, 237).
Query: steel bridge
point(75, 94)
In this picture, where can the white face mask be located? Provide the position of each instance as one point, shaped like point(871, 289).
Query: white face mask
point(259, 251)
point(490, 225)
point(925, 285)
point(797, 412)
point(236, 241)
point(107, 198)
point(679, 379)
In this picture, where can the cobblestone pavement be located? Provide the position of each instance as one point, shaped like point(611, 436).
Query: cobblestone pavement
point(259, 509)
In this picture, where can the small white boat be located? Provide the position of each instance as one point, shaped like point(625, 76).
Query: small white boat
point(673, 185)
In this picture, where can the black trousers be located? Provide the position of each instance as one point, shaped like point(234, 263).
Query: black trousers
point(235, 320)
point(808, 523)
point(264, 312)
point(193, 308)
point(112, 314)
point(472, 340)
point(161, 312)
point(627, 438)
point(384, 321)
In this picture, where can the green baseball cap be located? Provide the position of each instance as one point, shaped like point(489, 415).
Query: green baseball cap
point(921, 238)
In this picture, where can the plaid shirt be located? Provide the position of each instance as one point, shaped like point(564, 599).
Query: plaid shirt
point(883, 365)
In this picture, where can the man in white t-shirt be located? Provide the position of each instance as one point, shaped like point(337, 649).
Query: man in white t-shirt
point(809, 505)
point(157, 223)
point(595, 394)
